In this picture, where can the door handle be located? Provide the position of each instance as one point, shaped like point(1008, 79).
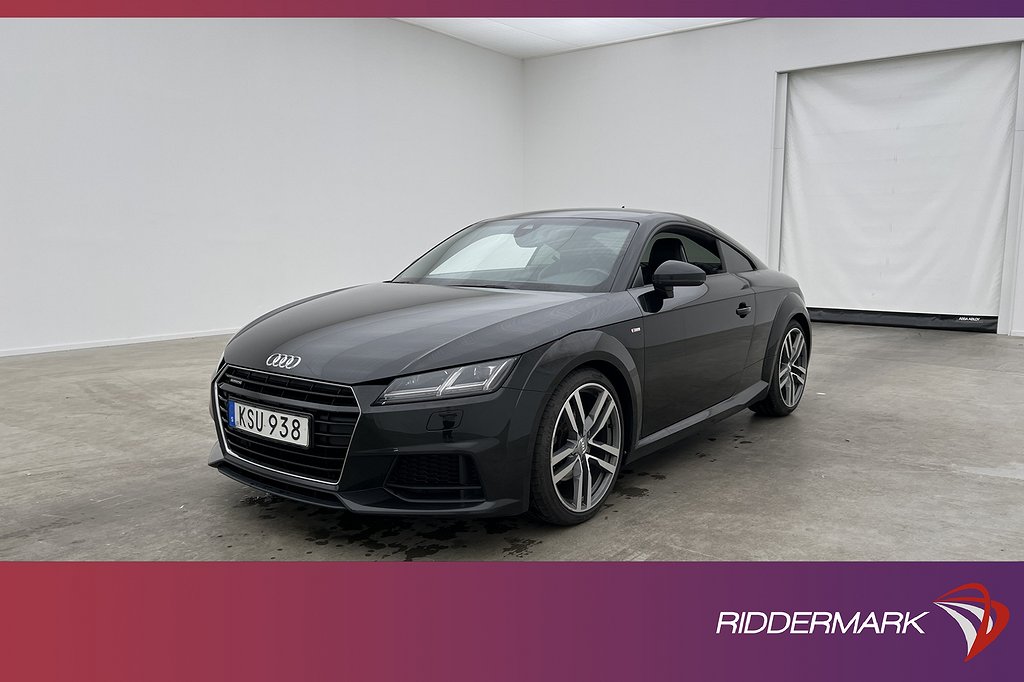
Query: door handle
point(743, 310)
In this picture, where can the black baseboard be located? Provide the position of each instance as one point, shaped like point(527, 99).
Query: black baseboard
point(966, 323)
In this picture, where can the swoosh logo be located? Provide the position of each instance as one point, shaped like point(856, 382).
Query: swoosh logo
point(965, 609)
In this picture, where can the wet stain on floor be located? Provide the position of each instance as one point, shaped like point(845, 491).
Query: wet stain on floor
point(422, 551)
point(331, 534)
point(519, 548)
point(390, 538)
point(257, 500)
point(632, 492)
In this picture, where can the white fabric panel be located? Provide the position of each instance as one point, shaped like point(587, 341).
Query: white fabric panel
point(896, 181)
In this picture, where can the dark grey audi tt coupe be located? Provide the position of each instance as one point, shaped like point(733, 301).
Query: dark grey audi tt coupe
point(515, 366)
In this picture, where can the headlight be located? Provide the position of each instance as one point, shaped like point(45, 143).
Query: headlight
point(448, 383)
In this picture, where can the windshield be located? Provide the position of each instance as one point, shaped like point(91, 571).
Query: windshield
point(559, 254)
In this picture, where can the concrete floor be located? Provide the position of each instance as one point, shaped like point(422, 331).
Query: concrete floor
point(909, 445)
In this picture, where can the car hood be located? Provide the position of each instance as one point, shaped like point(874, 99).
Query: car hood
point(378, 331)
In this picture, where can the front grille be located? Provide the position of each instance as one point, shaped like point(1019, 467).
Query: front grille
point(334, 409)
point(440, 477)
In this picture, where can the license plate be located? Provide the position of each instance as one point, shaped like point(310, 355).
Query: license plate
point(285, 427)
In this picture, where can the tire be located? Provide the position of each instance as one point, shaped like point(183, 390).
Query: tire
point(789, 373)
point(573, 473)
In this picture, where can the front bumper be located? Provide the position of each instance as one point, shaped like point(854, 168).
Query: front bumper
point(465, 456)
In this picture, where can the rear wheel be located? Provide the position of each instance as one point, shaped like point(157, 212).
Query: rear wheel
point(579, 449)
point(789, 374)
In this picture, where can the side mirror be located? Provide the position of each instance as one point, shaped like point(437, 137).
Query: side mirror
point(676, 273)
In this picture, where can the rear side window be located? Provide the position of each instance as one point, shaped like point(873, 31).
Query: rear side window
point(702, 251)
point(734, 260)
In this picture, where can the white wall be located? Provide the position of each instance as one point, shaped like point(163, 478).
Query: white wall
point(684, 122)
point(178, 176)
point(167, 177)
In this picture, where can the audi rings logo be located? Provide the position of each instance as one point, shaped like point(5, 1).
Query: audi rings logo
point(282, 361)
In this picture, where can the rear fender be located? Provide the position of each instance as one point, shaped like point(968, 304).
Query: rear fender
point(792, 306)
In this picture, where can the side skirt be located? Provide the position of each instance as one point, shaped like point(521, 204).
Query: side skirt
point(682, 429)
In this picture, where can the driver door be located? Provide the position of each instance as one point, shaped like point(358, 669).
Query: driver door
point(696, 342)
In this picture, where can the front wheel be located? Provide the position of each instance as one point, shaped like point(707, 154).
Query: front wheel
point(579, 449)
point(789, 374)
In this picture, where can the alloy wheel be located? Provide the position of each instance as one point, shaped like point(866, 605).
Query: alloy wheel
point(793, 367)
point(586, 447)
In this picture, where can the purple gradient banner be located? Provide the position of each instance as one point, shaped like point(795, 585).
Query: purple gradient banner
point(509, 8)
point(489, 621)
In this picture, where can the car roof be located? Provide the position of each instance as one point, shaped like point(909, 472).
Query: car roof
point(647, 219)
point(633, 214)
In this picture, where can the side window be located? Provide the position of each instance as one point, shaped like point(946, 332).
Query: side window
point(734, 260)
point(702, 251)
